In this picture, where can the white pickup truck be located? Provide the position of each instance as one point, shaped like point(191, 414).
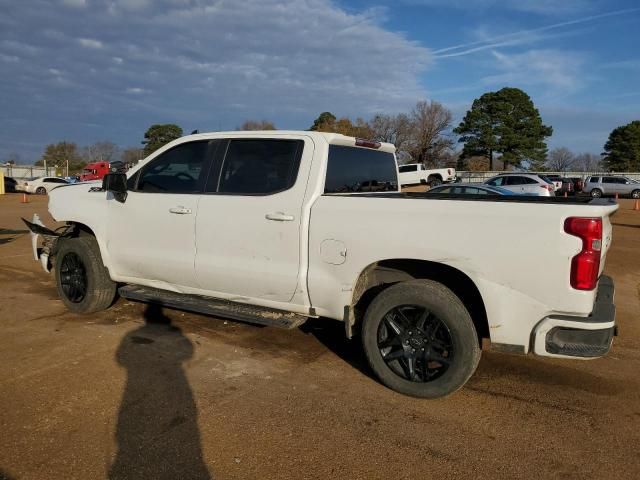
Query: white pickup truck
point(277, 227)
point(418, 174)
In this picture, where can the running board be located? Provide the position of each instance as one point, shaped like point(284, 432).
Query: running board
point(213, 306)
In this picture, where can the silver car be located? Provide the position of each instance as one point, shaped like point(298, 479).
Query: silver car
point(523, 183)
point(599, 186)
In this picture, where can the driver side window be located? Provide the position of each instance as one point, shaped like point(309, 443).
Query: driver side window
point(179, 170)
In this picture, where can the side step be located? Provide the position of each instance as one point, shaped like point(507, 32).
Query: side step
point(213, 306)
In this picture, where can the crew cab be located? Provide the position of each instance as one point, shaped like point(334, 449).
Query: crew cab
point(417, 173)
point(276, 227)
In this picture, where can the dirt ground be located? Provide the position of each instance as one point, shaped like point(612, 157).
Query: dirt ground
point(184, 396)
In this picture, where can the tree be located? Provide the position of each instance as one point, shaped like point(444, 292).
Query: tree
point(391, 129)
point(588, 162)
point(132, 156)
point(257, 125)
point(323, 119)
point(622, 150)
point(504, 122)
point(58, 154)
point(104, 151)
point(358, 128)
point(428, 143)
point(560, 159)
point(12, 159)
point(159, 135)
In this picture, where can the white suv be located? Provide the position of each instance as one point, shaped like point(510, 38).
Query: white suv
point(523, 183)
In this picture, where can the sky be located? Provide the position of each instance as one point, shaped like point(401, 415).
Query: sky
point(93, 70)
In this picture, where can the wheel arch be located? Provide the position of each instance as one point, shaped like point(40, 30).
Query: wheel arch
point(80, 229)
point(382, 274)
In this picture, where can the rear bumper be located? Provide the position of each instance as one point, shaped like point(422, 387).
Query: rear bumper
point(580, 337)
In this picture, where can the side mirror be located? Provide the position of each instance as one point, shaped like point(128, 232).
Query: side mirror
point(117, 184)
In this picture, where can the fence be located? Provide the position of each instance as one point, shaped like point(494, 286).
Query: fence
point(479, 177)
point(28, 171)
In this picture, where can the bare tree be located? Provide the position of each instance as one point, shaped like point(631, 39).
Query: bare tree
point(588, 162)
point(428, 140)
point(257, 125)
point(132, 156)
point(394, 129)
point(560, 159)
point(104, 151)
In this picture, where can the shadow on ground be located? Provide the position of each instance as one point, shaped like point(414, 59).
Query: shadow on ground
point(330, 333)
point(157, 431)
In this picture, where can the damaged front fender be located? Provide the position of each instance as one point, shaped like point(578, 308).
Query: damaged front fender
point(49, 240)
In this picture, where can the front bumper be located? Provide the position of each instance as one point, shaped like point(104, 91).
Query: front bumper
point(580, 337)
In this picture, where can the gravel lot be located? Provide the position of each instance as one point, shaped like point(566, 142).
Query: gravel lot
point(187, 396)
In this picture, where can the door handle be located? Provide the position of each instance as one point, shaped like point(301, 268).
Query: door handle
point(180, 210)
point(279, 217)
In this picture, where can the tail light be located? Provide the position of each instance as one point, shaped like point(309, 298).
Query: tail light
point(586, 264)
point(449, 171)
point(362, 142)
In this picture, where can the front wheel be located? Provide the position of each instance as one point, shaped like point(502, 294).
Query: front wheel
point(596, 193)
point(82, 281)
point(420, 340)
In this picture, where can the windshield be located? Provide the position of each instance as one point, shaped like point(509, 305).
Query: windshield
point(546, 179)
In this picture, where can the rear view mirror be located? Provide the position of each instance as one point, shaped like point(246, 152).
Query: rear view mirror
point(117, 184)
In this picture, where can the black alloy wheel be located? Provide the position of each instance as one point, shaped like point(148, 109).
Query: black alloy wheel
point(73, 277)
point(415, 344)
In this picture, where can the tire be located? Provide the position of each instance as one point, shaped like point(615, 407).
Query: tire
point(455, 348)
point(82, 280)
point(635, 194)
point(596, 193)
point(41, 191)
point(434, 181)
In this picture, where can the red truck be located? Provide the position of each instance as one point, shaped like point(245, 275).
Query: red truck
point(97, 170)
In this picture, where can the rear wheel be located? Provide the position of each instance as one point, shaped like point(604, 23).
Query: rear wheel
point(41, 191)
point(635, 194)
point(420, 339)
point(434, 181)
point(596, 193)
point(82, 281)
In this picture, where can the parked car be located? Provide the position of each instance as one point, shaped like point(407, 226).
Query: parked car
point(470, 189)
point(9, 184)
point(578, 184)
point(608, 185)
point(563, 185)
point(524, 183)
point(417, 173)
point(43, 185)
point(253, 226)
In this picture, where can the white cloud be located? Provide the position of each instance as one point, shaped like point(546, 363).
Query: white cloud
point(559, 70)
point(118, 60)
point(521, 37)
point(75, 3)
point(544, 7)
point(9, 58)
point(90, 43)
point(136, 90)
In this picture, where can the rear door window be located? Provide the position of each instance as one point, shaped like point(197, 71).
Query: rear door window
point(497, 182)
point(262, 166)
point(354, 169)
point(594, 179)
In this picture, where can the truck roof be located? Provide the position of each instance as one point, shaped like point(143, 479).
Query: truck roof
point(331, 138)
